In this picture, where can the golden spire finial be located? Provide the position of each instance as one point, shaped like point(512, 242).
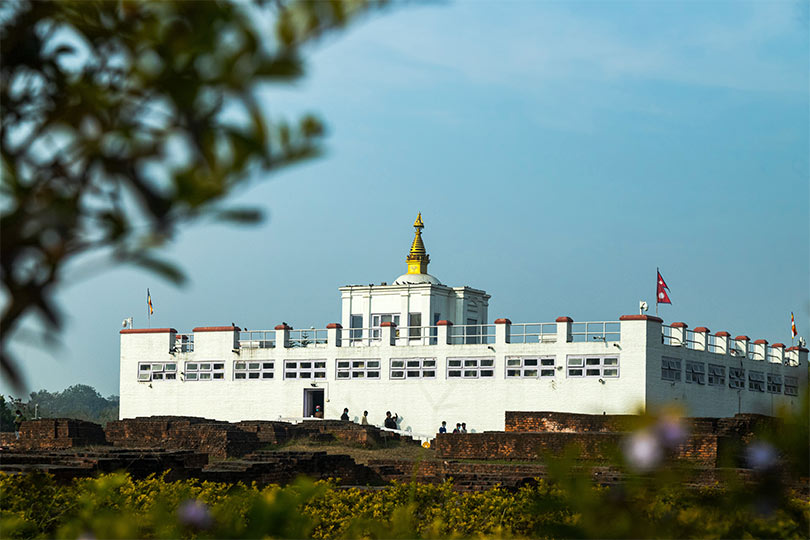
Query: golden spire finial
point(418, 258)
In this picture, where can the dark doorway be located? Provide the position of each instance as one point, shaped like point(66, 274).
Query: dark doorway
point(313, 397)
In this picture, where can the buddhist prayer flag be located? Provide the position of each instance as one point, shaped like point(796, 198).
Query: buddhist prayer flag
point(792, 326)
point(661, 296)
point(149, 302)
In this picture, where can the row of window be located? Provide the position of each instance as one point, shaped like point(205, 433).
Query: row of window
point(758, 381)
point(517, 367)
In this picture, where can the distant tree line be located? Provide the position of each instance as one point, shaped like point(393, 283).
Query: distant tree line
point(78, 401)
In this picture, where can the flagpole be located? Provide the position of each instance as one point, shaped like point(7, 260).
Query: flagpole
point(657, 272)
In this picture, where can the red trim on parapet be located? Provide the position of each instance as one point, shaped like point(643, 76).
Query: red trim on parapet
point(702, 330)
point(679, 325)
point(147, 331)
point(332, 325)
point(761, 342)
point(282, 327)
point(217, 329)
point(444, 323)
point(652, 318)
point(800, 349)
point(503, 321)
point(389, 323)
point(778, 346)
point(564, 319)
point(722, 334)
point(742, 338)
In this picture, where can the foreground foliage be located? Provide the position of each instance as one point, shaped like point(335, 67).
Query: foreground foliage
point(116, 506)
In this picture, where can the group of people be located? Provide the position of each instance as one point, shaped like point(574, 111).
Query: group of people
point(390, 421)
point(461, 427)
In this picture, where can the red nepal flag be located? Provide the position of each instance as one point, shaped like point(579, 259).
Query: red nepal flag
point(661, 295)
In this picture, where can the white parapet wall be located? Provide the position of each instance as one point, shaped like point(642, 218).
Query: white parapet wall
point(446, 372)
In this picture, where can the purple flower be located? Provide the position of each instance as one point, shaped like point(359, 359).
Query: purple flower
point(761, 456)
point(643, 451)
point(194, 513)
point(671, 432)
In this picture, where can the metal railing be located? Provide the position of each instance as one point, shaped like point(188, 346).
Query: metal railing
point(307, 338)
point(358, 337)
point(472, 334)
point(587, 332)
point(183, 343)
point(257, 339)
point(713, 345)
point(533, 333)
point(668, 337)
point(417, 335)
point(690, 342)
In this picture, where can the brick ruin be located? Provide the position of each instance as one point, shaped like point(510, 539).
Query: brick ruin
point(531, 435)
point(252, 450)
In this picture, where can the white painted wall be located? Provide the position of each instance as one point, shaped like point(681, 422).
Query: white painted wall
point(423, 403)
point(455, 304)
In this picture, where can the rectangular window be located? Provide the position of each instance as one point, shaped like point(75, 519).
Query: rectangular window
point(695, 372)
point(530, 367)
point(670, 369)
point(356, 325)
point(470, 368)
point(413, 368)
point(717, 375)
point(756, 381)
point(357, 369)
point(253, 371)
point(593, 366)
point(791, 386)
point(415, 323)
point(736, 377)
point(204, 371)
point(774, 383)
point(378, 319)
point(305, 369)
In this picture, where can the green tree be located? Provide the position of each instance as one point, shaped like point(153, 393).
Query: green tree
point(122, 120)
point(78, 401)
point(6, 415)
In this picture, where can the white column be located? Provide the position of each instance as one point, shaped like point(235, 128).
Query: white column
point(388, 333)
point(503, 329)
point(443, 335)
point(777, 353)
point(679, 333)
point(282, 336)
point(333, 334)
point(741, 345)
point(722, 341)
point(564, 329)
point(760, 349)
point(701, 338)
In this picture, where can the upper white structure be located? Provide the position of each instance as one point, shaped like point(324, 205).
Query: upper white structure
point(397, 349)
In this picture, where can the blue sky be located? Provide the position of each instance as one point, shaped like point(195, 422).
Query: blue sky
point(558, 152)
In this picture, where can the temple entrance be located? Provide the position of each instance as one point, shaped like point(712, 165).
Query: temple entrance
point(313, 397)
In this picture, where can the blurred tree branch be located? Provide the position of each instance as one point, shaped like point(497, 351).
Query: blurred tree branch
point(122, 120)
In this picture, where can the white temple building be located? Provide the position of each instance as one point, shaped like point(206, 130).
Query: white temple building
point(427, 351)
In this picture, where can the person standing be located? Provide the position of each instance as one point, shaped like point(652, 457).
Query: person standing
point(458, 428)
point(364, 420)
point(390, 422)
point(345, 415)
point(18, 420)
point(464, 427)
point(443, 428)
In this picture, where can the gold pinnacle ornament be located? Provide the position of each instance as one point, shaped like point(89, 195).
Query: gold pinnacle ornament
point(418, 258)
